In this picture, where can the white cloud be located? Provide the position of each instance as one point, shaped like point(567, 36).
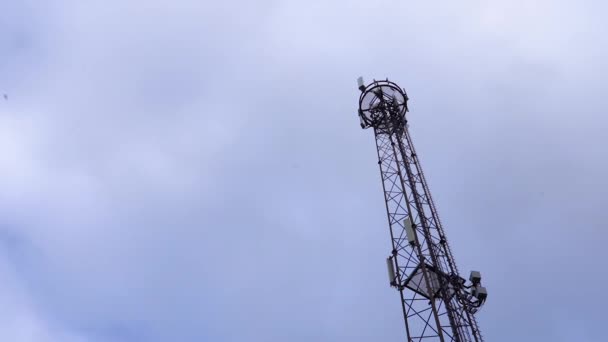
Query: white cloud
point(179, 169)
point(21, 319)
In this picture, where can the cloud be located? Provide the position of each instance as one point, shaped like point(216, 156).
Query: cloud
point(22, 319)
point(193, 171)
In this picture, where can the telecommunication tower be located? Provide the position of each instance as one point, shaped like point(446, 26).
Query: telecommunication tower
point(438, 305)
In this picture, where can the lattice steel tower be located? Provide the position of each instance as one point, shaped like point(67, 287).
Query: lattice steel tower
point(438, 305)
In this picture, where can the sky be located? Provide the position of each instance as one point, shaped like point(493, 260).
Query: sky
point(195, 170)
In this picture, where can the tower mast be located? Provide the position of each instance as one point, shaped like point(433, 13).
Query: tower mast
point(438, 305)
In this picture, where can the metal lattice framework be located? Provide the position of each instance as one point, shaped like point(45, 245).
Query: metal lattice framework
point(437, 305)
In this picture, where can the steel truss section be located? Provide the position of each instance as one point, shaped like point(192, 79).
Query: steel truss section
point(425, 268)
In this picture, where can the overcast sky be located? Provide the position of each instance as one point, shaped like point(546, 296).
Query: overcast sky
point(195, 170)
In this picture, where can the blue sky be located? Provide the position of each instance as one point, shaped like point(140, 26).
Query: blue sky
point(195, 171)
